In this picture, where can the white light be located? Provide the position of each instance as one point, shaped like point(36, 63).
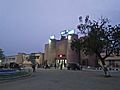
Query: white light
point(0, 61)
point(49, 40)
point(52, 37)
point(60, 55)
point(71, 32)
point(62, 33)
point(69, 37)
point(67, 31)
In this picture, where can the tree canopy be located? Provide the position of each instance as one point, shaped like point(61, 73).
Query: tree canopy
point(100, 37)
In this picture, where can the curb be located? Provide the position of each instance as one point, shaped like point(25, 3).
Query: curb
point(14, 78)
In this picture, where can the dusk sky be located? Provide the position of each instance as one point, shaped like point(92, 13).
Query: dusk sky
point(26, 25)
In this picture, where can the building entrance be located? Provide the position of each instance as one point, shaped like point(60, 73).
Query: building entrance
point(61, 63)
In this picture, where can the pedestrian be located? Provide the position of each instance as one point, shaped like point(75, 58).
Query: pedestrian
point(61, 66)
point(33, 67)
point(55, 65)
point(106, 71)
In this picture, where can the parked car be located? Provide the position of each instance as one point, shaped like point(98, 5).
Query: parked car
point(73, 66)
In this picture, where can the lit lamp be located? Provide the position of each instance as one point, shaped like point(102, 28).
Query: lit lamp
point(60, 56)
point(71, 32)
point(52, 37)
point(0, 62)
point(49, 41)
point(69, 37)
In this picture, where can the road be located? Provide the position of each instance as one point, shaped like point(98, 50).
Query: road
point(64, 80)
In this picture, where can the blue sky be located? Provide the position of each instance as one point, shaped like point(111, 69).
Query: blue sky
point(25, 25)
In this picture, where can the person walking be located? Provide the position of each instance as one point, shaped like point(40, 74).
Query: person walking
point(61, 65)
point(33, 67)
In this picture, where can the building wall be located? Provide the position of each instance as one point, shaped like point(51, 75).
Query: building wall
point(72, 56)
point(46, 56)
point(52, 51)
point(9, 59)
point(20, 57)
point(23, 58)
point(61, 48)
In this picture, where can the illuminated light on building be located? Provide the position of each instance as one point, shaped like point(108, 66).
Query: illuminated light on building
point(60, 55)
point(49, 41)
point(63, 32)
point(69, 37)
point(52, 37)
point(71, 32)
point(67, 32)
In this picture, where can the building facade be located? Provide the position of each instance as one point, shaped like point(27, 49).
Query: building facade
point(24, 59)
point(59, 52)
point(37, 58)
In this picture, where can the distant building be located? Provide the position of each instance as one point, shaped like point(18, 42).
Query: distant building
point(113, 60)
point(24, 59)
point(38, 58)
point(10, 59)
point(21, 58)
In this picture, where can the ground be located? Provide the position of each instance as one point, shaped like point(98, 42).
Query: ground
point(51, 79)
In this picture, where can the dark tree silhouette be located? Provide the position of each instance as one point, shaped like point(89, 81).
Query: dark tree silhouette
point(100, 37)
point(76, 45)
point(2, 56)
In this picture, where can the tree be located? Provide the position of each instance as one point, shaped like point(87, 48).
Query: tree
point(76, 45)
point(100, 37)
point(2, 56)
point(32, 58)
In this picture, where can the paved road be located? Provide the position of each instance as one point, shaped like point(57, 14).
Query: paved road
point(65, 80)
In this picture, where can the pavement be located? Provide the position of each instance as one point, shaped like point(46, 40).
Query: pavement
point(52, 79)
